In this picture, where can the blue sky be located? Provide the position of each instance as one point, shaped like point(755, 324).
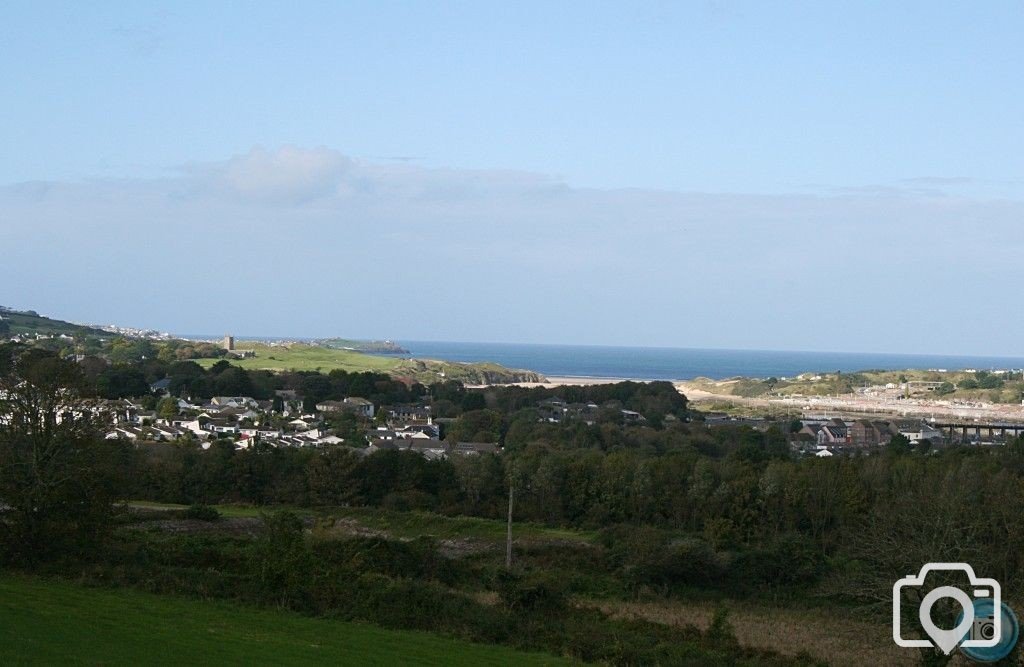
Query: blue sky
point(705, 174)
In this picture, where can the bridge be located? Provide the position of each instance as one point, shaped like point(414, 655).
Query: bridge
point(991, 429)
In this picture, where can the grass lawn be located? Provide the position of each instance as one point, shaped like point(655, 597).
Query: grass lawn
point(308, 358)
point(46, 622)
point(225, 510)
point(299, 357)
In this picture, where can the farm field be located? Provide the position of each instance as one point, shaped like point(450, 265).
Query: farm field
point(308, 358)
point(46, 622)
point(300, 357)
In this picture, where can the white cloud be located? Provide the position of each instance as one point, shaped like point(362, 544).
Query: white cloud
point(311, 242)
point(287, 175)
point(297, 176)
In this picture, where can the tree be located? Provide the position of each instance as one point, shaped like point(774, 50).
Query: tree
point(899, 445)
point(987, 380)
point(477, 426)
point(282, 558)
point(56, 471)
point(346, 426)
point(329, 475)
point(167, 408)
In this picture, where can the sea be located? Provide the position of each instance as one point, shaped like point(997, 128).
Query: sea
point(676, 363)
point(668, 363)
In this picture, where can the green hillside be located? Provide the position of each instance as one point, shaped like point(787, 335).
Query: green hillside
point(330, 354)
point(368, 346)
point(44, 622)
point(29, 321)
point(968, 385)
point(301, 357)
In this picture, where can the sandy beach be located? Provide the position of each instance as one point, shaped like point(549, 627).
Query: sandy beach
point(815, 405)
point(572, 381)
point(860, 404)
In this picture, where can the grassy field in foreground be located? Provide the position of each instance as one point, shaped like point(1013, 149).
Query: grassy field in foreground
point(45, 622)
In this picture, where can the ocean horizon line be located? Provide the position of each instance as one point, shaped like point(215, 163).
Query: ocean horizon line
point(410, 341)
point(675, 363)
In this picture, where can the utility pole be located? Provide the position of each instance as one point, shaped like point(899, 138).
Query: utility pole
point(508, 543)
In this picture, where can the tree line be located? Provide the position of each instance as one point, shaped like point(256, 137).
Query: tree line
point(679, 504)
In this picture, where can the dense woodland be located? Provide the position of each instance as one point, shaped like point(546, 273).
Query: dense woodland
point(677, 506)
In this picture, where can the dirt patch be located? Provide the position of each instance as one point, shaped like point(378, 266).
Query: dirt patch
point(234, 526)
point(342, 527)
point(836, 640)
point(449, 548)
point(464, 547)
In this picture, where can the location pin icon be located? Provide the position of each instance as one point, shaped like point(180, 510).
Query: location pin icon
point(946, 640)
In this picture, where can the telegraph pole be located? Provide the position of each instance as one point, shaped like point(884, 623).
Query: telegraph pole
point(508, 542)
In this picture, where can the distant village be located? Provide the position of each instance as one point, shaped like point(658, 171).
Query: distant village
point(826, 437)
point(281, 422)
point(287, 420)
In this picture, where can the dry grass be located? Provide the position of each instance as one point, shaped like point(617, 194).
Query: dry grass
point(837, 640)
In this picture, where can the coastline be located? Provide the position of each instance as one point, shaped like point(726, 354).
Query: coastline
point(853, 406)
point(861, 406)
point(571, 381)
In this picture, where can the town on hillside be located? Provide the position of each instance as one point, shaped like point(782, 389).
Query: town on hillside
point(282, 422)
point(825, 437)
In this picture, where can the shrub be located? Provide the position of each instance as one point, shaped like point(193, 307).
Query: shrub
point(687, 562)
point(409, 604)
point(535, 592)
point(789, 559)
point(720, 633)
point(418, 559)
point(201, 513)
point(405, 501)
point(283, 561)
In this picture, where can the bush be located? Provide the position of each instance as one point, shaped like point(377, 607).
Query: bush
point(282, 562)
point(201, 513)
point(789, 559)
point(409, 604)
point(534, 592)
point(418, 559)
point(406, 501)
point(720, 633)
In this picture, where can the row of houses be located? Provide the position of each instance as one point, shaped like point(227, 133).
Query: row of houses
point(354, 405)
point(838, 432)
point(244, 421)
point(556, 410)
